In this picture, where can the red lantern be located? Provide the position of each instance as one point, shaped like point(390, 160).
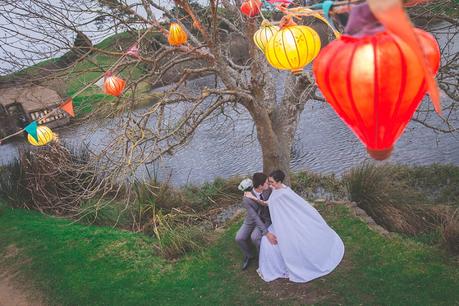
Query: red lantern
point(375, 83)
point(113, 85)
point(251, 8)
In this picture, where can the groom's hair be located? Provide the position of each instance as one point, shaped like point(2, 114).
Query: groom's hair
point(259, 179)
point(278, 175)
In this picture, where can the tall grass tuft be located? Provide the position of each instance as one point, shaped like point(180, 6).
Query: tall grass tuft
point(312, 184)
point(178, 233)
point(407, 200)
point(450, 231)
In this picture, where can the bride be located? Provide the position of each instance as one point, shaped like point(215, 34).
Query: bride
point(307, 247)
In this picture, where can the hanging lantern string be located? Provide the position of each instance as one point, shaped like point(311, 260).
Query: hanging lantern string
point(299, 12)
point(114, 66)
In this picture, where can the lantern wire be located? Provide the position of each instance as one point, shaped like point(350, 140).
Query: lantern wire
point(314, 10)
point(114, 66)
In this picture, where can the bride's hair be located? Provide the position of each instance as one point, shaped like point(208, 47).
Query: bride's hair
point(278, 175)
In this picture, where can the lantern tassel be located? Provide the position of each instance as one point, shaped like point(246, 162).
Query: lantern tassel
point(391, 14)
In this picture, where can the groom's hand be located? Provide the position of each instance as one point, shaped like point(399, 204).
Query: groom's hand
point(272, 238)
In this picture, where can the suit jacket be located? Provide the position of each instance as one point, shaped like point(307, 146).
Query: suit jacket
point(258, 215)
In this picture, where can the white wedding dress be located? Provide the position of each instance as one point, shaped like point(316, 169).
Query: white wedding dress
point(307, 247)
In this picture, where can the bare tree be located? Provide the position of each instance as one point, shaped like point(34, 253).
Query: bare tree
point(220, 46)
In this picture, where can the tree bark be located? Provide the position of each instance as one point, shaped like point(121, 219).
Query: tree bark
point(276, 125)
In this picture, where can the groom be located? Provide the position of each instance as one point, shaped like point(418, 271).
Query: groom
point(257, 220)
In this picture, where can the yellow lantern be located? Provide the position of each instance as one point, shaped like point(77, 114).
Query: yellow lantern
point(293, 47)
point(44, 135)
point(177, 36)
point(264, 33)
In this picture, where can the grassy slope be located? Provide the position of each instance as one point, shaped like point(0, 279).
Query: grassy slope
point(88, 70)
point(74, 264)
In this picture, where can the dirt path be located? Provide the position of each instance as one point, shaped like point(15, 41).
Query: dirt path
point(11, 292)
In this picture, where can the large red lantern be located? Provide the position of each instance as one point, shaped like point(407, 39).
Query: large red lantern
point(375, 83)
point(113, 85)
point(251, 8)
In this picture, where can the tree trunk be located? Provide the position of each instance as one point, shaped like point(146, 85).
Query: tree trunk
point(276, 125)
point(275, 151)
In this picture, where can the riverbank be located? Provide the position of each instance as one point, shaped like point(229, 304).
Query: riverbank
point(421, 202)
point(75, 264)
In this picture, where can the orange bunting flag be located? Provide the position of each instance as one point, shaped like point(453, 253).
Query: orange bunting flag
point(391, 14)
point(67, 107)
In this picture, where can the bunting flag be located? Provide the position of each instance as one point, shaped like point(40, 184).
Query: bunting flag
point(133, 51)
point(32, 129)
point(67, 107)
point(326, 9)
point(100, 82)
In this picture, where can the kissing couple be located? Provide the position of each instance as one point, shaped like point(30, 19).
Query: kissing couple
point(292, 238)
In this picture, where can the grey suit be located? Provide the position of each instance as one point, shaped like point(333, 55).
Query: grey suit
point(255, 224)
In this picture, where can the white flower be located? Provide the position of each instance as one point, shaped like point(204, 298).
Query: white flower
point(245, 184)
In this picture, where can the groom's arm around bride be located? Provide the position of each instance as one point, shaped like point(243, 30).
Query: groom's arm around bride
point(257, 220)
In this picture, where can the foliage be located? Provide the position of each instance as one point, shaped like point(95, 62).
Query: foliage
point(104, 213)
point(51, 179)
point(309, 183)
point(412, 200)
point(220, 192)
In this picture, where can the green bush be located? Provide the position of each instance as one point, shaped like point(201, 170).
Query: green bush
point(105, 213)
point(410, 200)
point(307, 182)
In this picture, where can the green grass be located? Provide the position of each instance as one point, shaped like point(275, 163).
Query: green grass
point(88, 265)
point(389, 271)
point(91, 68)
point(76, 264)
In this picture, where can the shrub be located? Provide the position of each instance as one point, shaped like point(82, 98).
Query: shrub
point(311, 185)
point(406, 199)
point(178, 233)
point(51, 179)
point(450, 232)
point(105, 213)
point(219, 193)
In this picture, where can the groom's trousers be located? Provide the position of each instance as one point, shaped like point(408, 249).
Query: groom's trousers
point(245, 233)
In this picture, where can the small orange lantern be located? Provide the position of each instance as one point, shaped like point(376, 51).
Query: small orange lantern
point(113, 85)
point(177, 36)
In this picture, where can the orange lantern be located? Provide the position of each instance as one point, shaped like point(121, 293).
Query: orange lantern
point(113, 85)
point(251, 8)
point(375, 83)
point(177, 36)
